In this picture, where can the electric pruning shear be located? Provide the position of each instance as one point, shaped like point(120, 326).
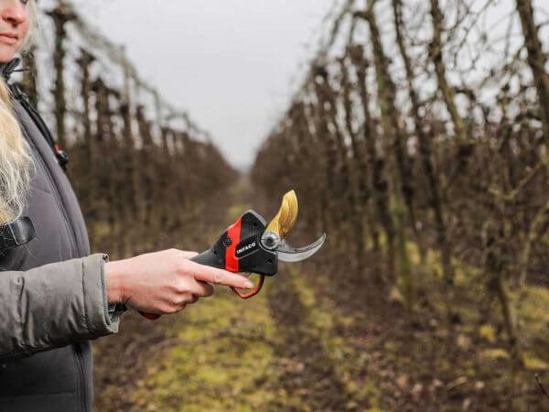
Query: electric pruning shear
point(250, 245)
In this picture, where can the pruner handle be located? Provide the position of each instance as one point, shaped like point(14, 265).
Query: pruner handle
point(211, 258)
point(207, 258)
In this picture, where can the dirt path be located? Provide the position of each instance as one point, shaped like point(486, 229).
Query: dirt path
point(313, 383)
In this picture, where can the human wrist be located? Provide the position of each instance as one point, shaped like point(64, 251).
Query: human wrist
point(114, 282)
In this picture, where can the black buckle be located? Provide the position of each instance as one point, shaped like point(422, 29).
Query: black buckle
point(16, 233)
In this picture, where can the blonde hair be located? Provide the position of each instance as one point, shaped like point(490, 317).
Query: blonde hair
point(15, 159)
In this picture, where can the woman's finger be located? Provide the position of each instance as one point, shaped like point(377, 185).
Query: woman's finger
point(188, 299)
point(209, 289)
point(201, 289)
point(193, 299)
point(219, 276)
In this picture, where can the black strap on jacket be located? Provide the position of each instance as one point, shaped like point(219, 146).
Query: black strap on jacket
point(20, 231)
point(6, 70)
point(16, 233)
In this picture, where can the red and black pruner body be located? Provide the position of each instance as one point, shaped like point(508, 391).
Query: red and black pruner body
point(240, 249)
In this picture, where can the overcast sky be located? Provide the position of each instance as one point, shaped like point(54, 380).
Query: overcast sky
point(230, 63)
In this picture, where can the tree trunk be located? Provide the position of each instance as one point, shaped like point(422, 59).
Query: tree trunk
point(377, 163)
point(425, 150)
point(536, 60)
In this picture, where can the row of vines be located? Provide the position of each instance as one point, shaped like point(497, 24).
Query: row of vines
point(142, 169)
point(424, 125)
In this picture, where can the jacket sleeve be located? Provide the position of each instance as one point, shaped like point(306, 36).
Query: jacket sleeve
point(54, 305)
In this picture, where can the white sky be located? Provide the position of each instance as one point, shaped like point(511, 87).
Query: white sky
point(231, 63)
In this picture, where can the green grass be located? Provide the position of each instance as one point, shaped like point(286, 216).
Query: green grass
point(225, 351)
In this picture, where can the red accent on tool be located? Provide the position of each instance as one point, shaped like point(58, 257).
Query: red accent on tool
point(233, 233)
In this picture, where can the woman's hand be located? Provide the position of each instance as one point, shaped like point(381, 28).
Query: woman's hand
point(164, 282)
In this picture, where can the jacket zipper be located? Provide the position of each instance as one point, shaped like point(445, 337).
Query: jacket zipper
point(35, 116)
point(72, 237)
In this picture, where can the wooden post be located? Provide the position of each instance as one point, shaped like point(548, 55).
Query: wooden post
point(425, 148)
point(88, 196)
point(395, 142)
point(60, 16)
point(361, 198)
point(377, 163)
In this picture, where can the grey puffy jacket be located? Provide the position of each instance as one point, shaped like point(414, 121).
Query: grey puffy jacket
point(52, 296)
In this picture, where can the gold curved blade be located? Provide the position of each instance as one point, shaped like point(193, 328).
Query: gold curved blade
point(285, 219)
